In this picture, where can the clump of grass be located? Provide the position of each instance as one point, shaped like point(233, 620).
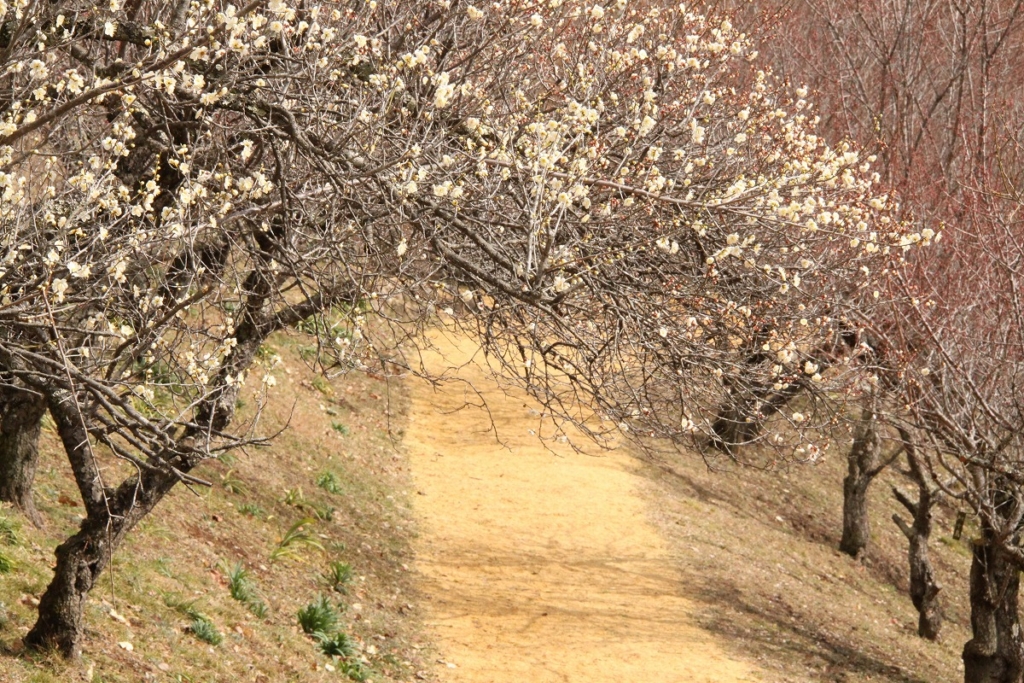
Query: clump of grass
point(318, 618)
point(6, 564)
point(340, 428)
point(251, 509)
point(239, 584)
point(339, 575)
point(295, 540)
point(322, 511)
point(329, 482)
point(8, 531)
point(232, 483)
point(201, 626)
point(294, 497)
point(241, 589)
point(335, 645)
point(203, 629)
point(354, 670)
point(323, 386)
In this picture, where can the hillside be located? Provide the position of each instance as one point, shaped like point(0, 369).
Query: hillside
point(334, 465)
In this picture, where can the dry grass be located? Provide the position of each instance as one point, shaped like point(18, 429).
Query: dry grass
point(176, 564)
point(757, 550)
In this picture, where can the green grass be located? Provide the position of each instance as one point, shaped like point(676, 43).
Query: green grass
point(339, 575)
point(8, 531)
point(251, 509)
point(6, 564)
point(318, 617)
point(340, 428)
point(294, 497)
point(203, 629)
point(239, 584)
point(233, 484)
point(241, 588)
point(296, 540)
point(335, 645)
point(328, 481)
point(323, 511)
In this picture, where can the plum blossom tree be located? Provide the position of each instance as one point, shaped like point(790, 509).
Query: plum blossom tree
point(626, 209)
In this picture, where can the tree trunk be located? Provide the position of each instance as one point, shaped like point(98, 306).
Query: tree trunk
point(924, 589)
point(21, 413)
point(743, 413)
point(863, 467)
point(996, 652)
point(111, 514)
point(83, 557)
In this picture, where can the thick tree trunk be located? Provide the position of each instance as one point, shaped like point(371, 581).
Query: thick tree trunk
point(21, 413)
point(924, 589)
point(996, 652)
point(863, 467)
point(83, 557)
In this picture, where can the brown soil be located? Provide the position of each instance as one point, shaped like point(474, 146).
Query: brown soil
point(536, 562)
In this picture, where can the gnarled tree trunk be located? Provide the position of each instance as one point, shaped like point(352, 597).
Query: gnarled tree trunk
point(20, 414)
point(924, 589)
point(83, 557)
point(996, 652)
point(863, 467)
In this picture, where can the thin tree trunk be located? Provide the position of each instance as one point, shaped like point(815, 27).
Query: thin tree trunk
point(996, 652)
point(924, 589)
point(863, 467)
point(21, 413)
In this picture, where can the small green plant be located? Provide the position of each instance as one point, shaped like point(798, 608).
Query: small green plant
point(354, 670)
point(201, 626)
point(251, 509)
point(329, 482)
point(238, 583)
point(339, 575)
point(295, 539)
point(163, 567)
point(6, 564)
point(340, 428)
point(8, 531)
point(241, 589)
point(323, 512)
point(318, 617)
point(335, 645)
point(258, 608)
point(203, 629)
point(180, 604)
point(232, 483)
point(294, 497)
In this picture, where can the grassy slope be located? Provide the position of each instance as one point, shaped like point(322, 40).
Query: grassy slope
point(757, 550)
point(180, 554)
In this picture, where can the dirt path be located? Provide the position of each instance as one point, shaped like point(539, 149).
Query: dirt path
point(541, 566)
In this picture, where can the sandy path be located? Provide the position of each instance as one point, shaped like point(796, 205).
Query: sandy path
point(541, 566)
